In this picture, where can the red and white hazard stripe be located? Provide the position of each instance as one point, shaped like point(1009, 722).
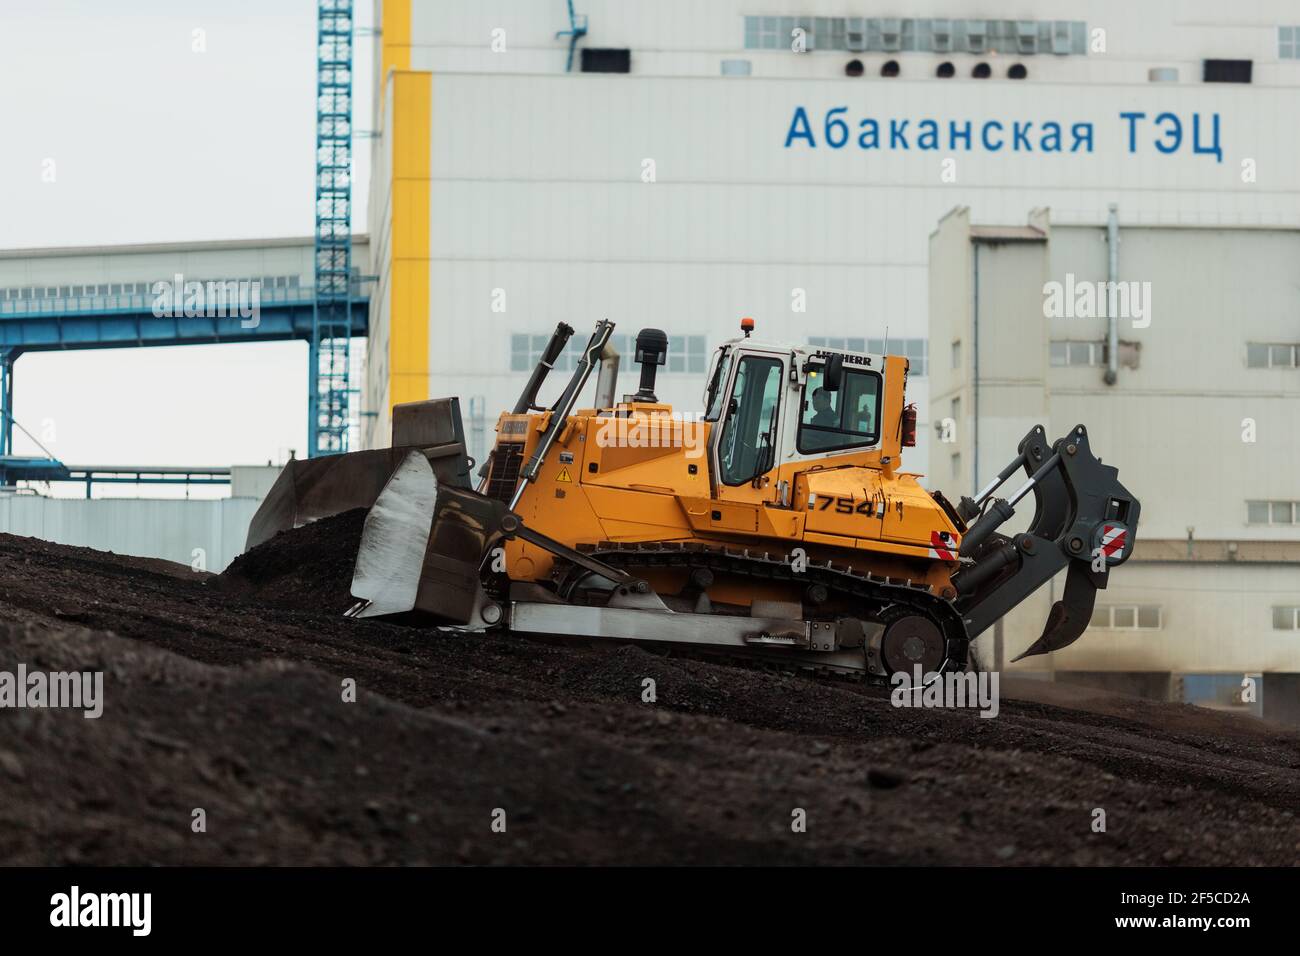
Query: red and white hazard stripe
point(941, 546)
point(1113, 539)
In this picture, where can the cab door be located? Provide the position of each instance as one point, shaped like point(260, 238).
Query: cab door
point(746, 448)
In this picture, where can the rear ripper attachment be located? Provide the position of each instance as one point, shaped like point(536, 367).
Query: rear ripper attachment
point(652, 539)
point(1084, 519)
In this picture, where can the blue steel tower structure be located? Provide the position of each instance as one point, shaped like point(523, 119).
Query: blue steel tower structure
point(329, 389)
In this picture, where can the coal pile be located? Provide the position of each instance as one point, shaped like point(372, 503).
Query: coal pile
point(227, 693)
point(307, 568)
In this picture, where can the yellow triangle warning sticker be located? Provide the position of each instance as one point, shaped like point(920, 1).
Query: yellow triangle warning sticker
point(564, 476)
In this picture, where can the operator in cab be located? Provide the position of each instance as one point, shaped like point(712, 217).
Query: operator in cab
point(823, 411)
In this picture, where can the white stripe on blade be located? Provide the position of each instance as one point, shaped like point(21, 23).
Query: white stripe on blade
point(394, 539)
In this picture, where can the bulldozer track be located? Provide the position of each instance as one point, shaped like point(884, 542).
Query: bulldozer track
point(889, 597)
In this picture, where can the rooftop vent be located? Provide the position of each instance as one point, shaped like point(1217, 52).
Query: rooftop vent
point(941, 35)
point(855, 34)
point(891, 30)
point(1027, 36)
point(1061, 37)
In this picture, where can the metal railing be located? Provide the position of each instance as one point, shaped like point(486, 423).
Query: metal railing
point(149, 302)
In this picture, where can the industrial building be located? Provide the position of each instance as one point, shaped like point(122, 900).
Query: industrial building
point(849, 176)
point(1196, 409)
point(515, 186)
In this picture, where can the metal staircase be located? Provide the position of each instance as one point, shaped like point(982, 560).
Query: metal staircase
point(330, 415)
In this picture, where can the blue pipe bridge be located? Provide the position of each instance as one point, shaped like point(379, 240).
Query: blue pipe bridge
point(132, 315)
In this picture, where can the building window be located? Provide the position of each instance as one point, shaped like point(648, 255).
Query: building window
point(1226, 71)
point(1288, 43)
point(1286, 618)
point(1273, 512)
point(1127, 617)
point(521, 356)
point(956, 354)
point(916, 350)
point(1064, 352)
point(918, 354)
point(841, 343)
point(596, 60)
point(925, 35)
point(768, 33)
point(686, 353)
point(1272, 355)
point(956, 466)
point(830, 33)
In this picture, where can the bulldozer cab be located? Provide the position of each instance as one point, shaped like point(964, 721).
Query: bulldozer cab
point(777, 410)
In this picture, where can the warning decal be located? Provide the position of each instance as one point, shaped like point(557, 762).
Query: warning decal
point(564, 475)
point(1113, 539)
point(941, 546)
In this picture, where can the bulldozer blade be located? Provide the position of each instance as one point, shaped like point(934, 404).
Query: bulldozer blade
point(423, 545)
point(390, 558)
point(1069, 617)
point(314, 488)
point(308, 489)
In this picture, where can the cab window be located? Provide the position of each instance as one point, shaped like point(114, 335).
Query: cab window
point(847, 418)
point(745, 449)
point(715, 396)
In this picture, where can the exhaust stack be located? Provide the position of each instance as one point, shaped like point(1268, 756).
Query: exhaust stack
point(651, 352)
point(607, 378)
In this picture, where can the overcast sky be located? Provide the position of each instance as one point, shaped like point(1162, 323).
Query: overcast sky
point(154, 142)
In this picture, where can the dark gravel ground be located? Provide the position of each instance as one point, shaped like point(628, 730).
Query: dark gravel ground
point(225, 693)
